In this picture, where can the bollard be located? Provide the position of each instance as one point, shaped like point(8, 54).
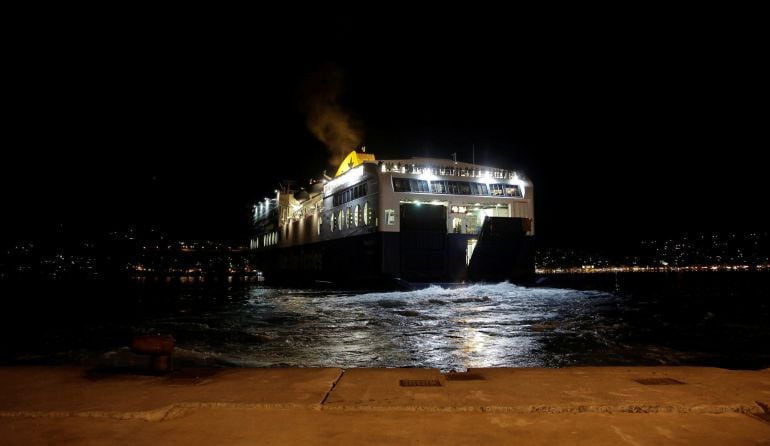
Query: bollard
point(158, 346)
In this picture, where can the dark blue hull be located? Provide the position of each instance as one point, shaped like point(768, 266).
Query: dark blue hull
point(387, 259)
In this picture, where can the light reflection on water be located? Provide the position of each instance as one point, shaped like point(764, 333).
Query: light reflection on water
point(448, 328)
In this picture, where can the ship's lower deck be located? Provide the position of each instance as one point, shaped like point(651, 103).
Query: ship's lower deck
point(384, 259)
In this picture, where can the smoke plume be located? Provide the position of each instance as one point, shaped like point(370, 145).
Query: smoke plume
point(326, 118)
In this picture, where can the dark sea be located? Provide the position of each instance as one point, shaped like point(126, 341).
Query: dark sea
point(714, 319)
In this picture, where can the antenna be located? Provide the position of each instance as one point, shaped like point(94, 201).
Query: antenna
point(474, 155)
point(454, 156)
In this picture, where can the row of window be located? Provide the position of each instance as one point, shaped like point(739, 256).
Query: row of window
point(265, 240)
point(455, 187)
point(349, 194)
point(352, 217)
point(410, 185)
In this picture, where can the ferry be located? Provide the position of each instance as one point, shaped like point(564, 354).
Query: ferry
point(398, 221)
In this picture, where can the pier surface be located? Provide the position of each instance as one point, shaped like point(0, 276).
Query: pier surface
point(580, 405)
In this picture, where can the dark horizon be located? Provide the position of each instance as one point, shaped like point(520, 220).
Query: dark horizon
point(632, 130)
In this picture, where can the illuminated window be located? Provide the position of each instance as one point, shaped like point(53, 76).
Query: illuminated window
point(341, 219)
point(357, 215)
point(479, 189)
point(512, 190)
point(473, 222)
point(438, 187)
point(401, 185)
point(390, 217)
point(457, 225)
point(367, 218)
point(333, 222)
point(350, 218)
point(419, 186)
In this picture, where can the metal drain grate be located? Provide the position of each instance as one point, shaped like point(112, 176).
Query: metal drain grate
point(464, 377)
point(419, 383)
point(658, 381)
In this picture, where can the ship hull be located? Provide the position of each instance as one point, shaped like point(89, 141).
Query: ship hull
point(383, 260)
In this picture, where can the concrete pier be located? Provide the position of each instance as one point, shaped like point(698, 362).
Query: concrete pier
point(581, 405)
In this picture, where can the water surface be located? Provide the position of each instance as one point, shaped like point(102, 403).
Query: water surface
point(450, 328)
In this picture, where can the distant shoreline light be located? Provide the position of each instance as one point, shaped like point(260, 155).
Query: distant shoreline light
point(591, 269)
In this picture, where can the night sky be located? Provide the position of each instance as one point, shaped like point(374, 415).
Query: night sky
point(631, 125)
